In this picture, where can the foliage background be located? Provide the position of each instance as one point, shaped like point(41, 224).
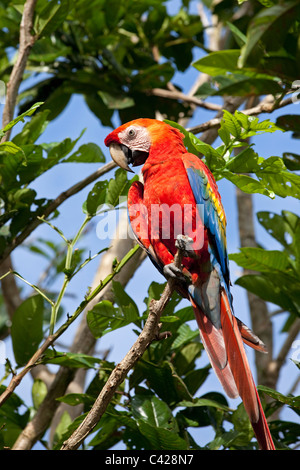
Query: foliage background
point(72, 116)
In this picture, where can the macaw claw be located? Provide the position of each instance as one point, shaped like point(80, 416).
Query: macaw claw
point(185, 244)
point(171, 271)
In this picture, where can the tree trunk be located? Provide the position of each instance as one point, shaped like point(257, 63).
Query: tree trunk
point(261, 323)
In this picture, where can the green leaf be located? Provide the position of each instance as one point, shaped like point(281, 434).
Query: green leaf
point(105, 194)
point(126, 304)
point(248, 184)
point(96, 198)
point(267, 3)
point(108, 435)
point(21, 117)
point(10, 147)
point(218, 63)
point(290, 122)
point(195, 378)
point(282, 227)
point(32, 129)
point(212, 157)
point(63, 425)
point(246, 161)
point(237, 33)
point(118, 187)
point(163, 379)
point(204, 402)
point(258, 259)
point(203, 411)
point(184, 360)
point(87, 153)
point(12, 420)
point(185, 335)
point(235, 84)
point(293, 402)
point(27, 328)
point(153, 411)
point(275, 177)
point(291, 161)
point(104, 317)
point(232, 124)
point(67, 359)
point(160, 438)
point(74, 399)
point(116, 102)
point(49, 16)
point(39, 391)
point(264, 287)
point(57, 151)
point(269, 27)
point(253, 126)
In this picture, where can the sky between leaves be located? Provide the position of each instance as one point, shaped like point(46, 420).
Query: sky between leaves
point(70, 123)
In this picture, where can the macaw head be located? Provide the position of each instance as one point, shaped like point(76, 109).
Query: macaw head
point(132, 142)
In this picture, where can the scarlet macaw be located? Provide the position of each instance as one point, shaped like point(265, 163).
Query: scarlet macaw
point(174, 178)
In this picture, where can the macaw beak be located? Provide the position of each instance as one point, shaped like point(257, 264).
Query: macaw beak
point(123, 156)
point(119, 154)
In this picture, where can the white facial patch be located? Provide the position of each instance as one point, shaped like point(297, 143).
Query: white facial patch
point(136, 138)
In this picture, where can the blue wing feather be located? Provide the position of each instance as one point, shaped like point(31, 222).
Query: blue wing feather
point(213, 216)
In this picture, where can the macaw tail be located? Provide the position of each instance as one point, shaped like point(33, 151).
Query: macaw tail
point(228, 358)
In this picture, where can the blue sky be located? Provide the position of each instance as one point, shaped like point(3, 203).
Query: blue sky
point(70, 124)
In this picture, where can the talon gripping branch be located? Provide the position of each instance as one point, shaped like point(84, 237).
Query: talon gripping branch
point(175, 178)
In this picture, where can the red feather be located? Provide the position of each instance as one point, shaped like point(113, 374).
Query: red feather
point(169, 175)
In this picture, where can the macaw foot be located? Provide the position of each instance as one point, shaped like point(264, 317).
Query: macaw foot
point(185, 245)
point(171, 271)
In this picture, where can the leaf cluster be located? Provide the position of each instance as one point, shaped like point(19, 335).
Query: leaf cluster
point(247, 170)
point(105, 51)
point(113, 53)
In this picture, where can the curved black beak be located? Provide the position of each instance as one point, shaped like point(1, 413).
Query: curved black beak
point(123, 156)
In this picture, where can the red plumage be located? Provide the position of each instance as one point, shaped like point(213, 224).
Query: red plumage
point(172, 177)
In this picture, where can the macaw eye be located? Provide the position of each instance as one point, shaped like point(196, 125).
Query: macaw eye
point(131, 132)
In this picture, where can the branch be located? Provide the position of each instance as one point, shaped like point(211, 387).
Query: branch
point(52, 338)
point(53, 205)
point(50, 410)
point(148, 334)
point(177, 95)
point(27, 40)
point(276, 364)
point(9, 286)
point(258, 309)
point(265, 106)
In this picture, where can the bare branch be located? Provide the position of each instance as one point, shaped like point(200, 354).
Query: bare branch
point(33, 361)
point(177, 95)
point(53, 205)
point(148, 334)
point(265, 106)
point(276, 365)
point(26, 42)
point(9, 286)
point(83, 343)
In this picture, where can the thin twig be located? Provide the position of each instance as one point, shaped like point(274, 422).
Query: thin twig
point(276, 365)
point(177, 95)
point(265, 106)
point(50, 411)
point(9, 286)
point(53, 205)
point(27, 40)
point(52, 338)
point(148, 334)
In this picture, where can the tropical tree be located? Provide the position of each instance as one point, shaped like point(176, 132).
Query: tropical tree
point(115, 61)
